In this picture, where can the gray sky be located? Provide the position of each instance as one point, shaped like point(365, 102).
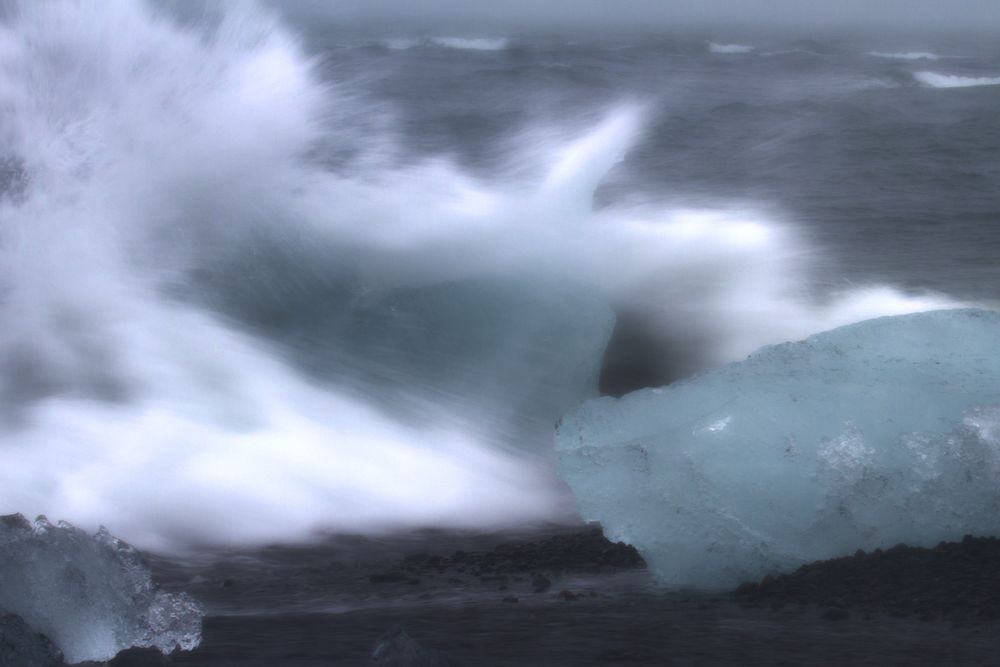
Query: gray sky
point(655, 14)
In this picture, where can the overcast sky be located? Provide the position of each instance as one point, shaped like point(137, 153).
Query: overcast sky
point(488, 15)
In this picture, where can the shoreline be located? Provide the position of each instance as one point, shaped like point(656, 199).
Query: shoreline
point(568, 597)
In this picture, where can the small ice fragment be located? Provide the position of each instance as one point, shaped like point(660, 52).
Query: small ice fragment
point(397, 649)
point(92, 596)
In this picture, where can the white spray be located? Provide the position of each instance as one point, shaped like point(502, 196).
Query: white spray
point(142, 151)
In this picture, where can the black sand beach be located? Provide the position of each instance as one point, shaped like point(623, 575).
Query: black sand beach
point(568, 597)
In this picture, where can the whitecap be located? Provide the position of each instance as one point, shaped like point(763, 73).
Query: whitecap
point(937, 80)
point(716, 47)
point(907, 55)
point(472, 43)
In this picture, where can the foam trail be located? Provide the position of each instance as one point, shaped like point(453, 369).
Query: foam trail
point(169, 218)
point(937, 80)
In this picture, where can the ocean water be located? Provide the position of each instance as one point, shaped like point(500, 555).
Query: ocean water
point(262, 278)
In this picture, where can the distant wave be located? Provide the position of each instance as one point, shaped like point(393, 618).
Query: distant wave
point(935, 80)
point(906, 55)
point(464, 43)
point(715, 47)
point(787, 52)
point(472, 44)
point(401, 44)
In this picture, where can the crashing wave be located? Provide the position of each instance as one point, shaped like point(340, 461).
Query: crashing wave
point(192, 299)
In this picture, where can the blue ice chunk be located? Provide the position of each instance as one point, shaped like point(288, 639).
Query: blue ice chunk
point(865, 436)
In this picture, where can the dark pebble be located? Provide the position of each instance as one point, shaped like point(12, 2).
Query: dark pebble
point(540, 583)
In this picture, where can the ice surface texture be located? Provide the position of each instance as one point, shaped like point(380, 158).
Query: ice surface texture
point(865, 436)
point(91, 595)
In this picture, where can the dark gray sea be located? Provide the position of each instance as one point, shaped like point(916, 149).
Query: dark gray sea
point(884, 152)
